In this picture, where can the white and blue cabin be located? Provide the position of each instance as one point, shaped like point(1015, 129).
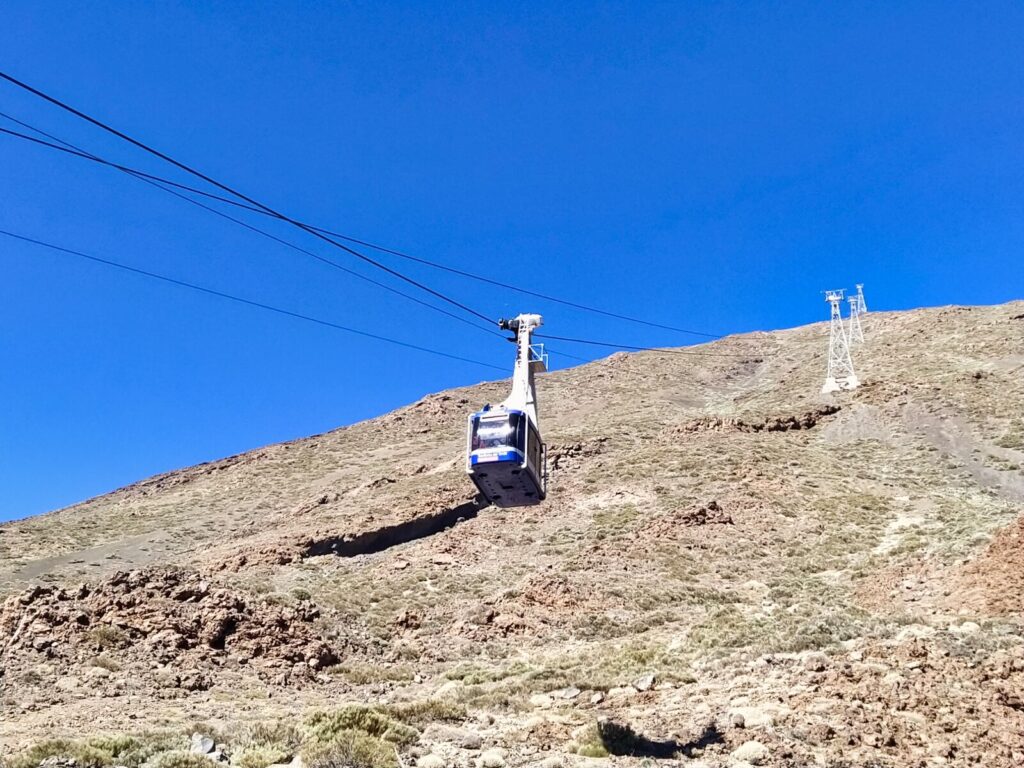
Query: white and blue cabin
point(506, 457)
point(505, 454)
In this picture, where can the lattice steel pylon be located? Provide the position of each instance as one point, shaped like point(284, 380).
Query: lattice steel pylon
point(840, 366)
point(862, 307)
point(856, 333)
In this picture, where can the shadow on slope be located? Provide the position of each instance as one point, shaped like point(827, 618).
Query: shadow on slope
point(380, 539)
point(620, 739)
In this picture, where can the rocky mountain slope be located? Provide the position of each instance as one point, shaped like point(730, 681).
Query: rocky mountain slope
point(730, 569)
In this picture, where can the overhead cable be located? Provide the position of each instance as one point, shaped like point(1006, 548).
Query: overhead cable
point(160, 183)
point(631, 348)
point(241, 300)
point(250, 200)
point(348, 238)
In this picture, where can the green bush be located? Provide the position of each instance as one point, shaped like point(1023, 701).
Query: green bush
point(326, 726)
point(351, 749)
point(429, 711)
point(107, 663)
point(35, 754)
point(588, 743)
point(133, 751)
point(261, 755)
point(107, 637)
point(274, 732)
point(261, 744)
point(361, 674)
point(115, 745)
point(96, 753)
point(607, 737)
point(181, 758)
point(158, 749)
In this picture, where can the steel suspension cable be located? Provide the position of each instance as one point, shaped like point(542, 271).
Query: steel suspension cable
point(631, 348)
point(242, 300)
point(162, 184)
point(349, 238)
point(228, 189)
point(165, 184)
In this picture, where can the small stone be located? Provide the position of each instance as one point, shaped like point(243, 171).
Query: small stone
point(533, 723)
point(442, 559)
point(430, 761)
point(597, 697)
point(471, 740)
point(941, 749)
point(816, 662)
point(626, 690)
point(551, 762)
point(67, 683)
point(914, 631)
point(750, 717)
point(440, 733)
point(567, 693)
point(644, 682)
point(753, 752)
point(540, 701)
point(967, 628)
point(492, 758)
point(201, 745)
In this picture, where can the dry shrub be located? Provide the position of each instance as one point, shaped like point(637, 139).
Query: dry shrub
point(351, 749)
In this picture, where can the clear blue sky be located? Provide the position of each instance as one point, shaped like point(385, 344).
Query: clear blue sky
point(709, 165)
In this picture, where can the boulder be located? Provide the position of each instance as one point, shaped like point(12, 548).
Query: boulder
point(753, 752)
point(644, 682)
point(201, 744)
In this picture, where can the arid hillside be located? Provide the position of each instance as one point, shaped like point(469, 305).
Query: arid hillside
point(731, 569)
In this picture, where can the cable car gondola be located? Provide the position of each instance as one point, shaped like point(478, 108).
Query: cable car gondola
point(505, 456)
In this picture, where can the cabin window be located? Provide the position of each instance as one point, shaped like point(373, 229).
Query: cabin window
point(495, 433)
